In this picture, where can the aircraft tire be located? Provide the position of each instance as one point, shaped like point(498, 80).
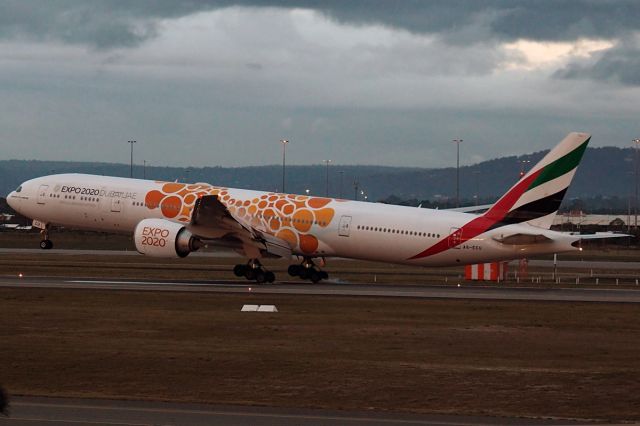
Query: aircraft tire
point(240, 270)
point(294, 270)
point(304, 273)
point(250, 274)
point(46, 244)
point(315, 276)
point(270, 276)
point(260, 277)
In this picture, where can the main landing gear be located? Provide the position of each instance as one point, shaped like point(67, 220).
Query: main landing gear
point(308, 270)
point(45, 243)
point(254, 271)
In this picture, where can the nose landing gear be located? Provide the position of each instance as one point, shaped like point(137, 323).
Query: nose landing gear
point(254, 271)
point(308, 270)
point(45, 243)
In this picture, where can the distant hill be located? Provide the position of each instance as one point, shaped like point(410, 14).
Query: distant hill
point(605, 171)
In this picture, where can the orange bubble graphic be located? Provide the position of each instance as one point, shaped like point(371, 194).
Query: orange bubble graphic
point(268, 213)
point(273, 198)
point(172, 187)
point(242, 211)
point(280, 204)
point(274, 224)
point(153, 198)
point(324, 216)
point(308, 243)
point(317, 203)
point(262, 204)
point(246, 203)
point(252, 210)
point(288, 209)
point(186, 211)
point(190, 198)
point(302, 220)
point(288, 236)
point(171, 206)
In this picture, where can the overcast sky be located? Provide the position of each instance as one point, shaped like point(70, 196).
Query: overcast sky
point(219, 83)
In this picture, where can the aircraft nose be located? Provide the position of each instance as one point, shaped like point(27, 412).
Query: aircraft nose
point(11, 200)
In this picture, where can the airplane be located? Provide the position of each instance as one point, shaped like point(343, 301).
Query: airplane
point(171, 220)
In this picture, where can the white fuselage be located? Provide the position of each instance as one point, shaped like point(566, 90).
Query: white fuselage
point(313, 226)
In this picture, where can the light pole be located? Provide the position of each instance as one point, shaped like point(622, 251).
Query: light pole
point(131, 166)
point(284, 143)
point(341, 179)
point(355, 187)
point(635, 207)
point(326, 187)
point(457, 142)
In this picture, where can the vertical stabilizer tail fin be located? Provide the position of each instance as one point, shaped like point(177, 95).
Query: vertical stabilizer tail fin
point(536, 197)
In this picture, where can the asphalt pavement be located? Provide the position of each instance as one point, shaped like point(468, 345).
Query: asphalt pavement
point(63, 411)
point(463, 291)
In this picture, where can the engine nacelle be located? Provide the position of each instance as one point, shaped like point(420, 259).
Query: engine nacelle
point(163, 238)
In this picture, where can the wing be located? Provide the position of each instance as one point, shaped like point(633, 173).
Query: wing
point(213, 223)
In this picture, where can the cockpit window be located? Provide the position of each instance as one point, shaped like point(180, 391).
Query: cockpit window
point(19, 189)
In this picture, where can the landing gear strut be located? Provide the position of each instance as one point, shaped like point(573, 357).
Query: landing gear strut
point(308, 270)
point(254, 271)
point(45, 243)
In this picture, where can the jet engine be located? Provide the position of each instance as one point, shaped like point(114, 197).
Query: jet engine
point(163, 238)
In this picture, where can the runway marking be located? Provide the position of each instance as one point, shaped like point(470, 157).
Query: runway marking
point(247, 414)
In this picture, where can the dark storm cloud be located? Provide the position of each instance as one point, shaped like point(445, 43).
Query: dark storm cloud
point(620, 64)
point(101, 24)
point(505, 20)
point(120, 23)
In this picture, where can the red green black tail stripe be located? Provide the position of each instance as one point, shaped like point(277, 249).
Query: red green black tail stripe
point(501, 213)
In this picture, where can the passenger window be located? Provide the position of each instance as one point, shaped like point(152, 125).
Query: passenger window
point(19, 189)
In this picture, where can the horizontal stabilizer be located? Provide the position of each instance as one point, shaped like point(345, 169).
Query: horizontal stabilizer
point(471, 209)
point(598, 235)
point(522, 239)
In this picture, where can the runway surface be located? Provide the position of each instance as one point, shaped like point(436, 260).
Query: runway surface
point(62, 411)
point(464, 291)
point(579, 264)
